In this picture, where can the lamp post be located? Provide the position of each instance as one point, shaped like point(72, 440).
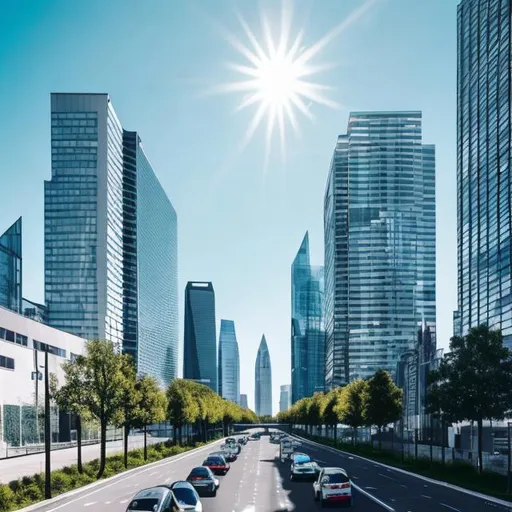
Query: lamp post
point(47, 432)
point(509, 475)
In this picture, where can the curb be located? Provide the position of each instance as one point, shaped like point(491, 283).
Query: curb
point(111, 480)
point(453, 487)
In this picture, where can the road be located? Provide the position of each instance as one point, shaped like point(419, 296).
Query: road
point(17, 467)
point(258, 482)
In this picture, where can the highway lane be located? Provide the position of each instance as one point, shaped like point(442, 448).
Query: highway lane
point(403, 492)
point(257, 482)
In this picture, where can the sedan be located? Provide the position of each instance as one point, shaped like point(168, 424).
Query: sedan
point(303, 468)
point(157, 499)
point(217, 464)
point(333, 486)
point(203, 481)
point(185, 494)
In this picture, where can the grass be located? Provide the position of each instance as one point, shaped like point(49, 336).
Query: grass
point(30, 489)
point(458, 473)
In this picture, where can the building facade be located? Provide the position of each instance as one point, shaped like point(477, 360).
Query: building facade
point(229, 362)
point(110, 237)
point(285, 397)
point(200, 344)
point(412, 373)
point(11, 268)
point(35, 311)
point(263, 381)
point(307, 329)
point(379, 230)
point(243, 401)
point(484, 187)
point(150, 267)
point(23, 342)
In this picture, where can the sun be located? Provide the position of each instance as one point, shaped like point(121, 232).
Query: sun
point(276, 77)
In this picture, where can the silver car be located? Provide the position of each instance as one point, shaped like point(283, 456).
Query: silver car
point(185, 494)
point(156, 499)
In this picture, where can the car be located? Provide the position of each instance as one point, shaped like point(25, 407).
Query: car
point(286, 449)
point(203, 481)
point(303, 467)
point(157, 499)
point(228, 454)
point(185, 494)
point(217, 463)
point(255, 437)
point(232, 445)
point(242, 440)
point(333, 486)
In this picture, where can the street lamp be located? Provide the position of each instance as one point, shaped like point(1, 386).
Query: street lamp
point(509, 475)
point(47, 429)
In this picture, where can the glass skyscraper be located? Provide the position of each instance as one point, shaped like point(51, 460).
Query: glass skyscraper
point(483, 166)
point(263, 381)
point(150, 271)
point(243, 401)
point(229, 362)
point(200, 343)
point(379, 227)
point(307, 329)
point(284, 397)
point(11, 268)
point(110, 237)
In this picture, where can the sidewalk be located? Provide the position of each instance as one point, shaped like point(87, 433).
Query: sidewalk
point(12, 469)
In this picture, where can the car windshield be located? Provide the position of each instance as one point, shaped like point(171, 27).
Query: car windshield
point(335, 478)
point(213, 460)
point(199, 472)
point(303, 459)
point(144, 504)
point(185, 496)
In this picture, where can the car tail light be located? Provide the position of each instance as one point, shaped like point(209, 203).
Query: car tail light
point(339, 486)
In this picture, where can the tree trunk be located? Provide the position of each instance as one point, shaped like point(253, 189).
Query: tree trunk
point(442, 443)
point(145, 442)
point(335, 434)
point(480, 442)
point(79, 443)
point(103, 447)
point(379, 433)
point(126, 434)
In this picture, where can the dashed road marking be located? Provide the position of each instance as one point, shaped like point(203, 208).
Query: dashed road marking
point(425, 496)
point(450, 507)
point(90, 503)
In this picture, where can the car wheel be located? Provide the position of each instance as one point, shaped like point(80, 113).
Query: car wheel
point(317, 496)
point(323, 503)
point(214, 492)
point(291, 477)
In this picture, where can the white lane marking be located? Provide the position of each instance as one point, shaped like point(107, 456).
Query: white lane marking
point(425, 496)
point(370, 488)
point(450, 507)
point(108, 502)
point(124, 501)
point(90, 503)
point(116, 479)
point(388, 477)
point(403, 485)
point(154, 473)
point(374, 498)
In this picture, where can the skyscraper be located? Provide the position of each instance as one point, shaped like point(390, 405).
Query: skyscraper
point(379, 227)
point(11, 268)
point(229, 362)
point(243, 401)
point(307, 329)
point(484, 186)
point(285, 397)
point(263, 381)
point(150, 270)
point(200, 351)
point(110, 237)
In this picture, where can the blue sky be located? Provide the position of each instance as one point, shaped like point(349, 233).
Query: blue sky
point(238, 226)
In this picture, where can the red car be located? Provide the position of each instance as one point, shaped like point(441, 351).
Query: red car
point(217, 464)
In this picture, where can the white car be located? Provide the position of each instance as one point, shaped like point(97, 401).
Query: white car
point(333, 486)
point(157, 499)
point(303, 468)
point(186, 495)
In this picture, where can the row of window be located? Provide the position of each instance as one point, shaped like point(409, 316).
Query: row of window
point(20, 339)
point(7, 362)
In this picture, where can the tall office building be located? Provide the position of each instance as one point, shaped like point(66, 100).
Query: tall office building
point(150, 271)
point(11, 268)
point(263, 381)
point(110, 237)
point(229, 362)
point(379, 227)
point(307, 329)
point(484, 189)
point(285, 397)
point(200, 350)
point(243, 401)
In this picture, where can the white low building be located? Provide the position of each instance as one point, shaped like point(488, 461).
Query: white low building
point(22, 345)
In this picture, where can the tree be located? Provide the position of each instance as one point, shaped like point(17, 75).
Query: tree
point(474, 380)
point(103, 386)
point(152, 405)
point(351, 406)
point(383, 404)
point(331, 416)
point(131, 398)
point(71, 397)
point(316, 409)
point(182, 409)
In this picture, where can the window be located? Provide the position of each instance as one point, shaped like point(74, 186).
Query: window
point(6, 362)
point(44, 347)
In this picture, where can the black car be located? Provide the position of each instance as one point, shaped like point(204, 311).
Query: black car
point(203, 481)
point(217, 464)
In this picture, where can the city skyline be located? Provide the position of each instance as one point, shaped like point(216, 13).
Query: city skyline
point(161, 97)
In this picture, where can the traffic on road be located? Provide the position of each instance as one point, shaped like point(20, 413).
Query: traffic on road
point(262, 477)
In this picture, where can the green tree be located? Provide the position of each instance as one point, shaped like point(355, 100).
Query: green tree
point(182, 409)
point(331, 416)
point(152, 405)
point(351, 406)
point(383, 404)
point(72, 398)
point(474, 380)
point(316, 409)
point(103, 385)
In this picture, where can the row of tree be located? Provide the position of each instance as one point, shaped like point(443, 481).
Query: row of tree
point(374, 402)
point(102, 385)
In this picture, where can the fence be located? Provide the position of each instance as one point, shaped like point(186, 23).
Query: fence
point(490, 462)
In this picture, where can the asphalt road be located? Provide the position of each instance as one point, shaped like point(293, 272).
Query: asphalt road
point(26, 465)
point(259, 482)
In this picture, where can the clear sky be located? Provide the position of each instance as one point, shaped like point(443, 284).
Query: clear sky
point(239, 226)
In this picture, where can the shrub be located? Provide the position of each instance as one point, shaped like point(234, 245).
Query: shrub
point(60, 482)
point(6, 497)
